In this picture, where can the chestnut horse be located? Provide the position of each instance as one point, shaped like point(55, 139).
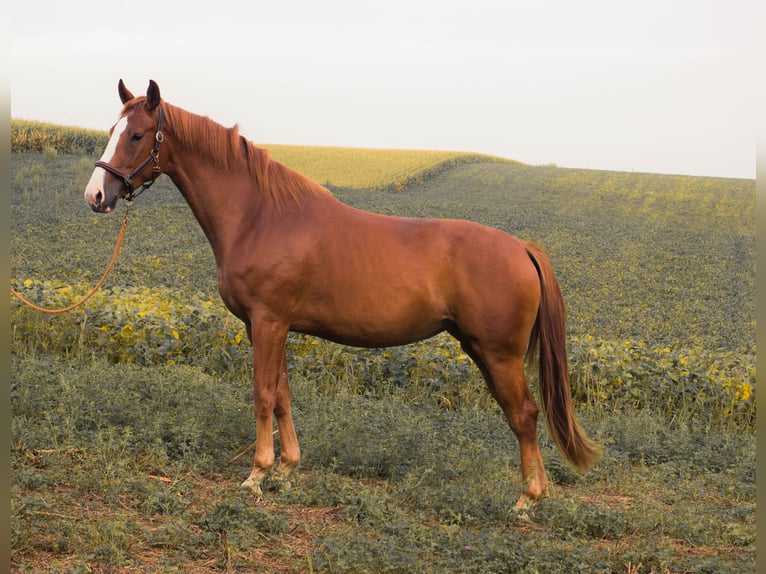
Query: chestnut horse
point(291, 257)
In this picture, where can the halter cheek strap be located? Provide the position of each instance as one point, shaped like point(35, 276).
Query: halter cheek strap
point(154, 156)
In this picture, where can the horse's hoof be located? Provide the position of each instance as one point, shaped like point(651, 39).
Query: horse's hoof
point(254, 487)
point(525, 503)
point(521, 516)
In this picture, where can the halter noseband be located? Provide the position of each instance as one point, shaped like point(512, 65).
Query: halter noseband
point(154, 156)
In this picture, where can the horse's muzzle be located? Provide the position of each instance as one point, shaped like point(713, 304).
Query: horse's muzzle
point(98, 201)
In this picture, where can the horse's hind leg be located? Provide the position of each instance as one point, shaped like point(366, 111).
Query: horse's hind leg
point(508, 384)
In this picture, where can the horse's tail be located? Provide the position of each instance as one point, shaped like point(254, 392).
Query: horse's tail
point(549, 330)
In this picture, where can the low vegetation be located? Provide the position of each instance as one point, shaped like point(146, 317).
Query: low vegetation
point(132, 421)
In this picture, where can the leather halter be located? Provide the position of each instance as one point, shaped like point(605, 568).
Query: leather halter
point(154, 156)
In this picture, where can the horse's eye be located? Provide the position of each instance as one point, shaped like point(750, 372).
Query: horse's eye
point(136, 137)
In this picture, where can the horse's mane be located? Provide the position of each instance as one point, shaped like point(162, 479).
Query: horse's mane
point(226, 149)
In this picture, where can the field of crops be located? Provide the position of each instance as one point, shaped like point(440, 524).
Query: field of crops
point(129, 415)
point(30, 136)
point(370, 169)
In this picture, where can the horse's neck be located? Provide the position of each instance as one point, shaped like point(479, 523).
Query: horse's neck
point(229, 204)
point(222, 203)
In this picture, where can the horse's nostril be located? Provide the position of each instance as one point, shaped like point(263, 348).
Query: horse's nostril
point(99, 197)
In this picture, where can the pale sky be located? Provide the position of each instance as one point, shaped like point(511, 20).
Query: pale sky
point(663, 86)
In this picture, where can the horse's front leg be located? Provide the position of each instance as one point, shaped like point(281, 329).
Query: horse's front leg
point(290, 455)
point(269, 374)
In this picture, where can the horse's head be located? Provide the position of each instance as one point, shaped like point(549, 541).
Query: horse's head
point(131, 157)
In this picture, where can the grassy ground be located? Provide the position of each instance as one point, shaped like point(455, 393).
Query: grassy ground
point(136, 468)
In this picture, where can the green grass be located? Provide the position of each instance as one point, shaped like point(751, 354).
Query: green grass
point(132, 417)
point(405, 482)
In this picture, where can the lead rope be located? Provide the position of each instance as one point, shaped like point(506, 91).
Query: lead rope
point(100, 281)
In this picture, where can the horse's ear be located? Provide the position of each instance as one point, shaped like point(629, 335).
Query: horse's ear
point(124, 92)
point(152, 95)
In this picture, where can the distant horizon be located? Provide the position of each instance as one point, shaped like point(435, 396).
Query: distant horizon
point(465, 151)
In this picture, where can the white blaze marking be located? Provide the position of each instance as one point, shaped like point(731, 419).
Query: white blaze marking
point(98, 177)
point(111, 147)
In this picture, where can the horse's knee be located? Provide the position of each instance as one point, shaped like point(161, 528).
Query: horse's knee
point(264, 401)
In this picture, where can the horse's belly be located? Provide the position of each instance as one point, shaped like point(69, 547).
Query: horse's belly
point(374, 338)
point(384, 324)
